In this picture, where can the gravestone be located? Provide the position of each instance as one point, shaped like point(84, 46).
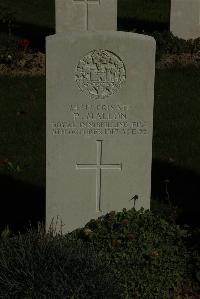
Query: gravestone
point(83, 15)
point(100, 91)
point(185, 18)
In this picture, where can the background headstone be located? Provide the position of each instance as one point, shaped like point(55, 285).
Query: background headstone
point(83, 15)
point(100, 91)
point(185, 18)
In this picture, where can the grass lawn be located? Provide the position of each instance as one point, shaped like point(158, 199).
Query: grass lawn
point(145, 10)
point(176, 117)
point(176, 122)
point(22, 128)
point(36, 19)
point(35, 12)
point(175, 144)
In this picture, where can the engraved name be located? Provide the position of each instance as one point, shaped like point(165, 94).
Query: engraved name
point(91, 119)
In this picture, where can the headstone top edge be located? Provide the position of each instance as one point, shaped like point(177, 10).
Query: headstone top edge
point(131, 35)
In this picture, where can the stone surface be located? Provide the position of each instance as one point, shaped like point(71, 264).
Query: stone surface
point(100, 91)
point(81, 15)
point(185, 18)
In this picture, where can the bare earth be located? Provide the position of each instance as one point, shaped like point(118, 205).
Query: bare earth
point(33, 64)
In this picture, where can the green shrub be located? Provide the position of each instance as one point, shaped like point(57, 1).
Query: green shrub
point(36, 265)
point(147, 253)
point(131, 254)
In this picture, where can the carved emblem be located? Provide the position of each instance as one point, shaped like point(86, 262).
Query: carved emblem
point(100, 73)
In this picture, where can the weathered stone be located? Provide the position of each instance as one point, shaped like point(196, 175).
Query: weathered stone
point(100, 91)
point(185, 18)
point(81, 15)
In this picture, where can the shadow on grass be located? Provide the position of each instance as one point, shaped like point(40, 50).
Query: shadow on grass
point(36, 34)
point(21, 204)
point(141, 26)
point(183, 187)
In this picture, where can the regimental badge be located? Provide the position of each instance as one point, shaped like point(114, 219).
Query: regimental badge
point(100, 73)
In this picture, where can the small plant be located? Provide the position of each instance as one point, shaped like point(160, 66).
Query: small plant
point(21, 55)
point(9, 167)
point(147, 253)
point(131, 254)
point(38, 265)
point(16, 55)
point(6, 232)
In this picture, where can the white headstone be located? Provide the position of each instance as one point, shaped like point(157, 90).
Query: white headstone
point(185, 18)
point(100, 94)
point(83, 15)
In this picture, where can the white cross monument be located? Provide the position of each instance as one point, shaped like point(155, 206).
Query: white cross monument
point(83, 15)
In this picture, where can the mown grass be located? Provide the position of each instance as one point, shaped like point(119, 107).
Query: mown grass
point(176, 117)
point(176, 122)
point(145, 10)
point(35, 12)
point(22, 128)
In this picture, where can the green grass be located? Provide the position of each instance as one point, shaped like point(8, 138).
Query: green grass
point(145, 10)
point(35, 12)
point(149, 248)
point(22, 127)
point(22, 122)
point(176, 117)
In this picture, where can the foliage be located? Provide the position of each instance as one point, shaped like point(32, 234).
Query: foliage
point(147, 253)
point(193, 245)
point(39, 265)
point(14, 52)
point(167, 43)
point(131, 254)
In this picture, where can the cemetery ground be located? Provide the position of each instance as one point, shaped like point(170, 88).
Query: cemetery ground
point(176, 141)
point(41, 12)
point(36, 18)
point(168, 250)
point(156, 254)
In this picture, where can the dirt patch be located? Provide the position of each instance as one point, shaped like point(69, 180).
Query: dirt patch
point(181, 60)
point(33, 64)
point(26, 64)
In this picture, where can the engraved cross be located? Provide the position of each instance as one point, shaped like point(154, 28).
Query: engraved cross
point(99, 167)
point(87, 3)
